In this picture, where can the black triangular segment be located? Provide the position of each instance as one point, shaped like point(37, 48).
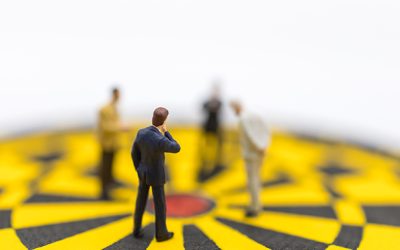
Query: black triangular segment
point(93, 171)
point(272, 239)
point(45, 198)
point(349, 237)
point(48, 158)
point(316, 139)
point(203, 176)
point(331, 190)
point(280, 180)
point(34, 237)
point(334, 170)
point(386, 215)
point(316, 211)
point(195, 239)
point(131, 243)
point(5, 218)
point(118, 184)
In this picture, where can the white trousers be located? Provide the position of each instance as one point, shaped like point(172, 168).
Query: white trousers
point(253, 167)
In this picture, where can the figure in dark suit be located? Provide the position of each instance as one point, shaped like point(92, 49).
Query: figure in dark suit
point(211, 141)
point(148, 157)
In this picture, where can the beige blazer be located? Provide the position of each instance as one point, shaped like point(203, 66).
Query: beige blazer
point(254, 135)
point(108, 127)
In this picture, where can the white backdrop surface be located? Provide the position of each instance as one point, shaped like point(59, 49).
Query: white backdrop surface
point(325, 65)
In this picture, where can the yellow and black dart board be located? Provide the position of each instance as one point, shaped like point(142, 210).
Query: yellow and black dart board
point(317, 194)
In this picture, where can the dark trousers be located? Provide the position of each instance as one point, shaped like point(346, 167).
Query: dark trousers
point(159, 207)
point(107, 158)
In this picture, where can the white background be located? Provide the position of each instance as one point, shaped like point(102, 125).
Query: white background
point(325, 65)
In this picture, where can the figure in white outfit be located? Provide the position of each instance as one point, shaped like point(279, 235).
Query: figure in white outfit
point(254, 140)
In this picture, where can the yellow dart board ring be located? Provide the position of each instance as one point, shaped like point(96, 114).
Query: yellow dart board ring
point(316, 194)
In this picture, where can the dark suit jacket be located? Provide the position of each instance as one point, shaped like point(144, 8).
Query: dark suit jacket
point(148, 154)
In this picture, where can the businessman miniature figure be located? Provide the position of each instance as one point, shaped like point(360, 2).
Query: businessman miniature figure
point(108, 129)
point(148, 158)
point(254, 140)
point(211, 147)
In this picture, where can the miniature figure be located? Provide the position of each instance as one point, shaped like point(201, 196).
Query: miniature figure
point(254, 140)
point(148, 158)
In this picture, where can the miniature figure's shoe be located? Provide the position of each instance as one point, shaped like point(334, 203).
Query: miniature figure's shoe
point(138, 233)
point(251, 213)
point(105, 197)
point(168, 236)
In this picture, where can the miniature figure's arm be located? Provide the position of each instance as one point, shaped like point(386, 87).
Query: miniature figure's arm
point(136, 156)
point(256, 132)
point(168, 144)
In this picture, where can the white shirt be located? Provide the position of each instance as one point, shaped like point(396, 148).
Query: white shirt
point(254, 135)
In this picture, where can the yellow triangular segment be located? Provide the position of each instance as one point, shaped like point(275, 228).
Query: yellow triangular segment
point(183, 167)
point(14, 195)
point(64, 180)
point(349, 212)
point(369, 187)
point(17, 171)
point(305, 193)
point(235, 177)
point(51, 213)
point(95, 239)
point(225, 237)
point(83, 150)
point(313, 228)
point(10, 240)
point(123, 168)
point(176, 243)
point(380, 237)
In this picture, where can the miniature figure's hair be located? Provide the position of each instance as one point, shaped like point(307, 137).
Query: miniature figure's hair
point(114, 90)
point(160, 114)
point(236, 104)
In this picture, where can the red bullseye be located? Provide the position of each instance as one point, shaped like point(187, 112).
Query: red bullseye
point(184, 205)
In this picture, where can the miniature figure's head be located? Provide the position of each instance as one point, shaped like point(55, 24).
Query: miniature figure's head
point(237, 107)
point(115, 94)
point(160, 114)
point(216, 90)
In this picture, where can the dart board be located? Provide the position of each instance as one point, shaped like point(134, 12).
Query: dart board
point(317, 193)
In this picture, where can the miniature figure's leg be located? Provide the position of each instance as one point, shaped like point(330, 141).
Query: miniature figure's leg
point(209, 153)
point(110, 177)
point(254, 183)
point(105, 172)
point(141, 201)
point(161, 210)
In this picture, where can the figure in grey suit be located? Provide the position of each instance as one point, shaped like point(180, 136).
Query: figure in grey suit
point(254, 140)
point(148, 157)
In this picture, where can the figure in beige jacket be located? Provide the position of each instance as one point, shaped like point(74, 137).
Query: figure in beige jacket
point(254, 140)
